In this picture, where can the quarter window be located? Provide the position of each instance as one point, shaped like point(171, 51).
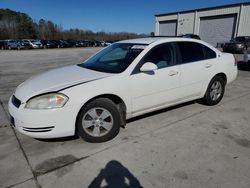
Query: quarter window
point(209, 54)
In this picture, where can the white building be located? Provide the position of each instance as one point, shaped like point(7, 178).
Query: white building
point(214, 24)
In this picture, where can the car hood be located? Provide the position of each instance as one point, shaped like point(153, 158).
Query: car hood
point(56, 79)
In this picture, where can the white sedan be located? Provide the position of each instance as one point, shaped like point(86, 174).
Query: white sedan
point(128, 78)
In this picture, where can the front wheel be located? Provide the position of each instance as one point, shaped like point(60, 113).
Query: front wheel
point(98, 121)
point(215, 91)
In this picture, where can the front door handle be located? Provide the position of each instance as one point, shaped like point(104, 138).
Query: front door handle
point(172, 73)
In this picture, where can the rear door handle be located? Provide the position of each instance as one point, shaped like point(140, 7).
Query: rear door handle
point(208, 65)
point(172, 73)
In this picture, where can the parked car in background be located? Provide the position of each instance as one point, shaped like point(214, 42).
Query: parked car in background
point(83, 43)
point(33, 43)
point(98, 43)
point(246, 57)
point(48, 44)
point(60, 43)
point(11, 44)
point(72, 43)
point(2, 44)
point(16, 44)
point(237, 45)
point(92, 98)
point(191, 36)
point(24, 44)
point(106, 43)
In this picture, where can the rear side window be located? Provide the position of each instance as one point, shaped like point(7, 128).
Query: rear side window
point(190, 52)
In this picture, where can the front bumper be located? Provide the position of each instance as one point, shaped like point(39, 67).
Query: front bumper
point(49, 123)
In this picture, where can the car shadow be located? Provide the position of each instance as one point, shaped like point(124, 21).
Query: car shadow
point(243, 66)
point(114, 175)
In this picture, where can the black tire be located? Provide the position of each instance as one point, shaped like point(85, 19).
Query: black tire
point(208, 99)
point(102, 103)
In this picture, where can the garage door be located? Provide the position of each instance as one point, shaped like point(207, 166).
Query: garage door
point(168, 28)
point(217, 29)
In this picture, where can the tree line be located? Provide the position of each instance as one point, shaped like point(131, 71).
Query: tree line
point(18, 25)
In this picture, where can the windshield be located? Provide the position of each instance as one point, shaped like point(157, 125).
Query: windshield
point(115, 58)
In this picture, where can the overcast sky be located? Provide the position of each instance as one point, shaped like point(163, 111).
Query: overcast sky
point(106, 15)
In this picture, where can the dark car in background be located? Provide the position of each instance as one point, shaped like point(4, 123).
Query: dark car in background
point(2, 44)
point(72, 43)
point(48, 44)
point(61, 43)
point(237, 45)
point(83, 43)
point(98, 43)
point(191, 36)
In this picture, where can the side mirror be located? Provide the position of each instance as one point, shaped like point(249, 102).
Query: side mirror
point(148, 67)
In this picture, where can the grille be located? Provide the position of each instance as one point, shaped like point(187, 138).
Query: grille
point(15, 101)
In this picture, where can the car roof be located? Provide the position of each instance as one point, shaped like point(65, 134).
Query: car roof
point(150, 40)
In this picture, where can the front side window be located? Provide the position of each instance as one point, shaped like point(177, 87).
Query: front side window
point(162, 55)
point(190, 52)
point(115, 58)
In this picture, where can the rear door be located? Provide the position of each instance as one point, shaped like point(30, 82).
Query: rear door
point(196, 67)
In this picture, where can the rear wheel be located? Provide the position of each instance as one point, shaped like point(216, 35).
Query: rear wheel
point(99, 121)
point(215, 91)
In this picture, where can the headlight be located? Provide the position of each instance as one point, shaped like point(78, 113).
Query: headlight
point(240, 45)
point(47, 101)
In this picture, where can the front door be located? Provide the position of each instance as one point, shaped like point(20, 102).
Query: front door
point(151, 90)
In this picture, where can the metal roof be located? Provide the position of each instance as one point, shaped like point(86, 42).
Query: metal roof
point(203, 9)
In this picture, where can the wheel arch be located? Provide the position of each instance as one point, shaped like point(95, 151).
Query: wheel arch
point(222, 75)
point(116, 99)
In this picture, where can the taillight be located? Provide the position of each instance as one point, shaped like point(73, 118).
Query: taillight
point(235, 61)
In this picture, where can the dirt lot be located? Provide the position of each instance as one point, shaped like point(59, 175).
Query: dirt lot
point(187, 146)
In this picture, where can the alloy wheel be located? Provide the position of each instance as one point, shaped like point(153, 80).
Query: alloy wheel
point(97, 122)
